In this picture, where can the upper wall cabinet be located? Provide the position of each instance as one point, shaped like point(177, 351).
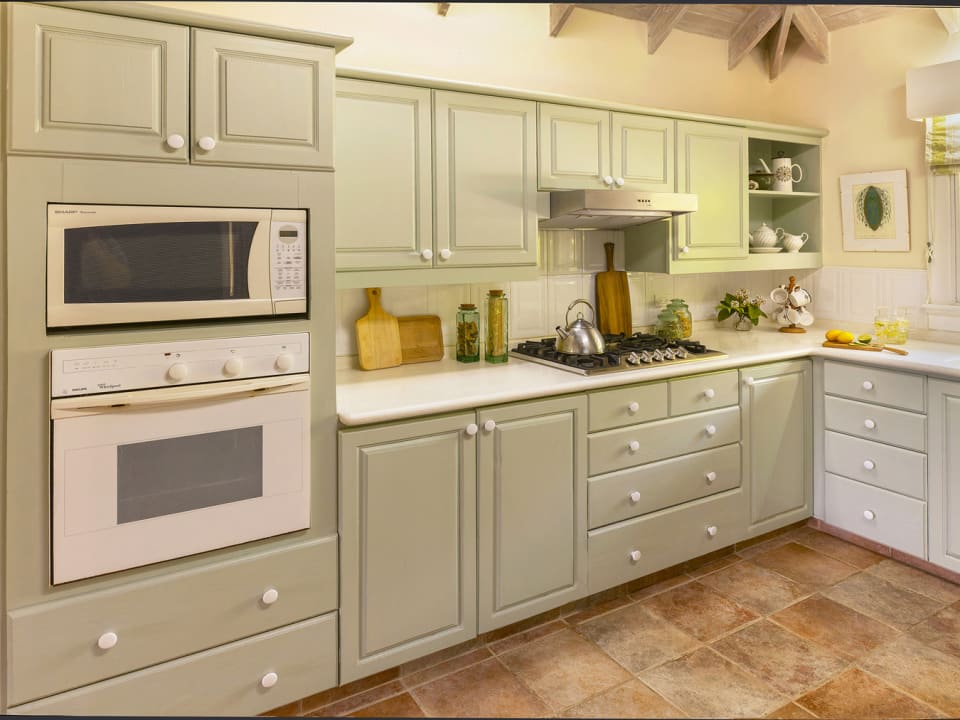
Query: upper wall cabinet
point(585, 149)
point(87, 84)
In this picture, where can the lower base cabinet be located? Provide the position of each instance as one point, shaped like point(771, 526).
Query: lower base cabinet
point(943, 463)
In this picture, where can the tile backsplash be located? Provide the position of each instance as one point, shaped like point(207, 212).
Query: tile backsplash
point(570, 260)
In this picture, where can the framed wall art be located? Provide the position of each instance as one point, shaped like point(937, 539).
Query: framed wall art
point(874, 209)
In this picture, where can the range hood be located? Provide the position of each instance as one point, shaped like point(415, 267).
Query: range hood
point(613, 209)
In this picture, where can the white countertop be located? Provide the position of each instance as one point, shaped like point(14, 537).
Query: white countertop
point(371, 396)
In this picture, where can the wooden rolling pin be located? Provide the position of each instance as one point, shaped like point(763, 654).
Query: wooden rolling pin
point(871, 348)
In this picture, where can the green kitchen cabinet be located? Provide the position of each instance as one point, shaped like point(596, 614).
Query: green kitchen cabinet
point(642, 152)
point(777, 436)
point(384, 178)
point(944, 474)
point(408, 541)
point(532, 508)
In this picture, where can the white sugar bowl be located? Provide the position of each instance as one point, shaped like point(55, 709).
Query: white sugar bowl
point(763, 237)
point(792, 243)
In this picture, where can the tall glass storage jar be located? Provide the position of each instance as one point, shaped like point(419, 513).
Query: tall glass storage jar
point(497, 316)
point(468, 333)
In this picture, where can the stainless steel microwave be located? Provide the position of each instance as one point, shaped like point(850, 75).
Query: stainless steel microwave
point(109, 264)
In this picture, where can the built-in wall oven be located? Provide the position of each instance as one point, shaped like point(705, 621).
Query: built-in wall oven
point(164, 450)
point(109, 264)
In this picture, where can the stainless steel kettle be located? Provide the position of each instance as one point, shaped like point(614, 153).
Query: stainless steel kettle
point(580, 337)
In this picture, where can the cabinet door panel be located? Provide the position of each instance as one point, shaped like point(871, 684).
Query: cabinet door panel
point(574, 147)
point(643, 152)
point(263, 102)
point(944, 474)
point(89, 84)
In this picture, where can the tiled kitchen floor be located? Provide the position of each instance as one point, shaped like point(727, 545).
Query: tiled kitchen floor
point(801, 625)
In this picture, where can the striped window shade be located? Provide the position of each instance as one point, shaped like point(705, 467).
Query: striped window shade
point(942, 146)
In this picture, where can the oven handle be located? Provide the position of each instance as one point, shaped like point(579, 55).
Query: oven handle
point(62, 408)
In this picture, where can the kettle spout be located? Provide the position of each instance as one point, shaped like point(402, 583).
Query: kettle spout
point(562, 333)
point(766, 168)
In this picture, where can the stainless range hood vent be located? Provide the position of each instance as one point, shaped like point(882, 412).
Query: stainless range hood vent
point(613, 209)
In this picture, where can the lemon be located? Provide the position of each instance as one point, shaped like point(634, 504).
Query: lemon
point(844, 338)
point(832, 335)
point(864, 339)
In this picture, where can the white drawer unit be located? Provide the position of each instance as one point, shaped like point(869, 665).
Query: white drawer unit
point(876, 422)
point(704, 392)
point(884, 466)
point(885, 387)
point(876, 514)
point(627, 406)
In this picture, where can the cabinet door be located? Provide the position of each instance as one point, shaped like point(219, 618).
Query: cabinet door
point(384, 178)
point(944, 474)
point(532, 509)
point(642, 152)
point(258, 101)
point(486, 154)
point(574, 147)
point(712, 164)
point(776, 410)
point(408, 542)
point(89, 84)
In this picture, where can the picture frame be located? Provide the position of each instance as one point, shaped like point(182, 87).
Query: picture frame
point(875, 212)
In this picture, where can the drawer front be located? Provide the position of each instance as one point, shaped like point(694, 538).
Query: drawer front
point(886, 387)
point(627, 406)
point(641, 444)
point(902, 471)
point(228, 680)
point(665, 538)
point(704, 392)
point(877, 514)
point(53, 647)
point(637, 491)
point(875, 422)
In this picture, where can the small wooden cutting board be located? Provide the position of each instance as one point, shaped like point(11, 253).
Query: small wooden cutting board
point(613, 299)
point(421, 338)
point(869, 348)
point(378, 336)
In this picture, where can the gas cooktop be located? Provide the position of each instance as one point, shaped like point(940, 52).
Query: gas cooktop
point(622, 353)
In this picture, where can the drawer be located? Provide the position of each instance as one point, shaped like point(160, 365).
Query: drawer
point(641, 444)
point(875, 422)
point(627, 405)
point(54, 646)
point(662, 484)
point(876, 514)
point(886, 387)
point(228, 680)
point(704, 392)
point(902, 471)
point(665, 538)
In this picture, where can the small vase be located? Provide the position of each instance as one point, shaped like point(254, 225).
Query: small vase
point(743, 323)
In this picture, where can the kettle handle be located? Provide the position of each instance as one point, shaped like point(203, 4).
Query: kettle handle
point(577, 302)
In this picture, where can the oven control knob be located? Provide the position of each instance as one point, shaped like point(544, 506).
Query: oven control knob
point(233, 367)
point(107, 640)
point(632, 359)
point(178, 371)
point(284, 362)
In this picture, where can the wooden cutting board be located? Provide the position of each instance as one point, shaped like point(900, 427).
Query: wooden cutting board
point(378, 336)
point(869, 348)
point(421, 338)
point(613, 299)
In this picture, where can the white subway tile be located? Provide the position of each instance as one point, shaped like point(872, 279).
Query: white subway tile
point(528, 305)
point(594, 254)
point(351, 306)
point(404, 300)
point(637, 284)
point(563, 251)
point(443, 300)
point(561, 291)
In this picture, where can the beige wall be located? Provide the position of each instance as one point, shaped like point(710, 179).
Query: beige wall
point(858, 96)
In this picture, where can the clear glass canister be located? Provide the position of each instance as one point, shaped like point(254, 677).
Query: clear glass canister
point(468, 333)
point(684, 317)
point(497, 315)
point(898, 326)
point(668, 325)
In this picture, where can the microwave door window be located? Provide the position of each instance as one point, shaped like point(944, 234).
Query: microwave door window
point(157, 262)
point(174, 475)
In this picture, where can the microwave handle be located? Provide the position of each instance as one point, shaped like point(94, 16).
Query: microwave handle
point(62, 408)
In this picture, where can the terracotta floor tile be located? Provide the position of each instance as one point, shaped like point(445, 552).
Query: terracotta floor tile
point(804, 565)
point(630, 700)
point(855, 694)
point(484, 690)
point(750, 548)
point(597, 610)
point(884, 601)
point(940, 631)
point(834, 626)
point(695, 571)
point(637, 638)
point(395, 707)
point(923, 671)
point(445, 668)
point(917, 580)
point(788, 662)
point(698, 610)
point(564, 669)
point(522, 638)
point(753, 587)
point(703, 684)
point(838, 549)
point(791, 711)
point(657, 588)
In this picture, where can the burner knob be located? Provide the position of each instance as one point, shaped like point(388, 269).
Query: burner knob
point(680, 353)
point(645, 356)
point(657, 356)
point(178, 371)
point(632, 359)
point(668, 354)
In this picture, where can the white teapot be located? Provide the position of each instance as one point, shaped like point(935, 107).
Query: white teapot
point(763, 236)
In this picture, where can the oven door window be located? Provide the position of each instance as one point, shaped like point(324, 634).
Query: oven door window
point(157, 262)
point(173, 475)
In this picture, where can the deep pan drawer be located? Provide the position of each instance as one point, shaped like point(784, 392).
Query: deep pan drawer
point(902, 471)
point(874, 422)
point(637, 491)
point(877, 514)
point(54, 646)
point(886, 387)
point(627, 405)
point(704, 392)
point(641, 444)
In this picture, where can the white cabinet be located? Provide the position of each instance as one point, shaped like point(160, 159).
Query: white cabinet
point(944, 490)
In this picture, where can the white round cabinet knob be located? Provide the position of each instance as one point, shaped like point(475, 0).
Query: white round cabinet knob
point(284, 362)
point(607, 179)
point(233, 367)
point(749, 381)
point(207, 143)
point(709, 393)
point(107, 640)
point(635, 555)
point(178, 371)
point(427, 254)
point(711, 430)
point(712, 530)
point(711, 477)
point(869, 464)
point(634, 446)
point(867, 385)
point(685, 249)
point(635, 496)
point(175, 142)
point(490, 425)
point(269, 680)
point(869, 514)
point(869, 424)
point(471, 429)
point(633, 407)
point(620, 182)
point(270, 596)
point(446, 254)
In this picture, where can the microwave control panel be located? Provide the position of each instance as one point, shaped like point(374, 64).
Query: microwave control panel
point(288, 260)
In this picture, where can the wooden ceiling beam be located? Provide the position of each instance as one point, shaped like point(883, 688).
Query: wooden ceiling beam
point(750, 32)
point(779, 43)
point(813, 29)
point(559, 13)
point(662, 21)
point(442, 8)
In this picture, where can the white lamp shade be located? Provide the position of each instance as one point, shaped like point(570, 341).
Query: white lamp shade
point(933, 91)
